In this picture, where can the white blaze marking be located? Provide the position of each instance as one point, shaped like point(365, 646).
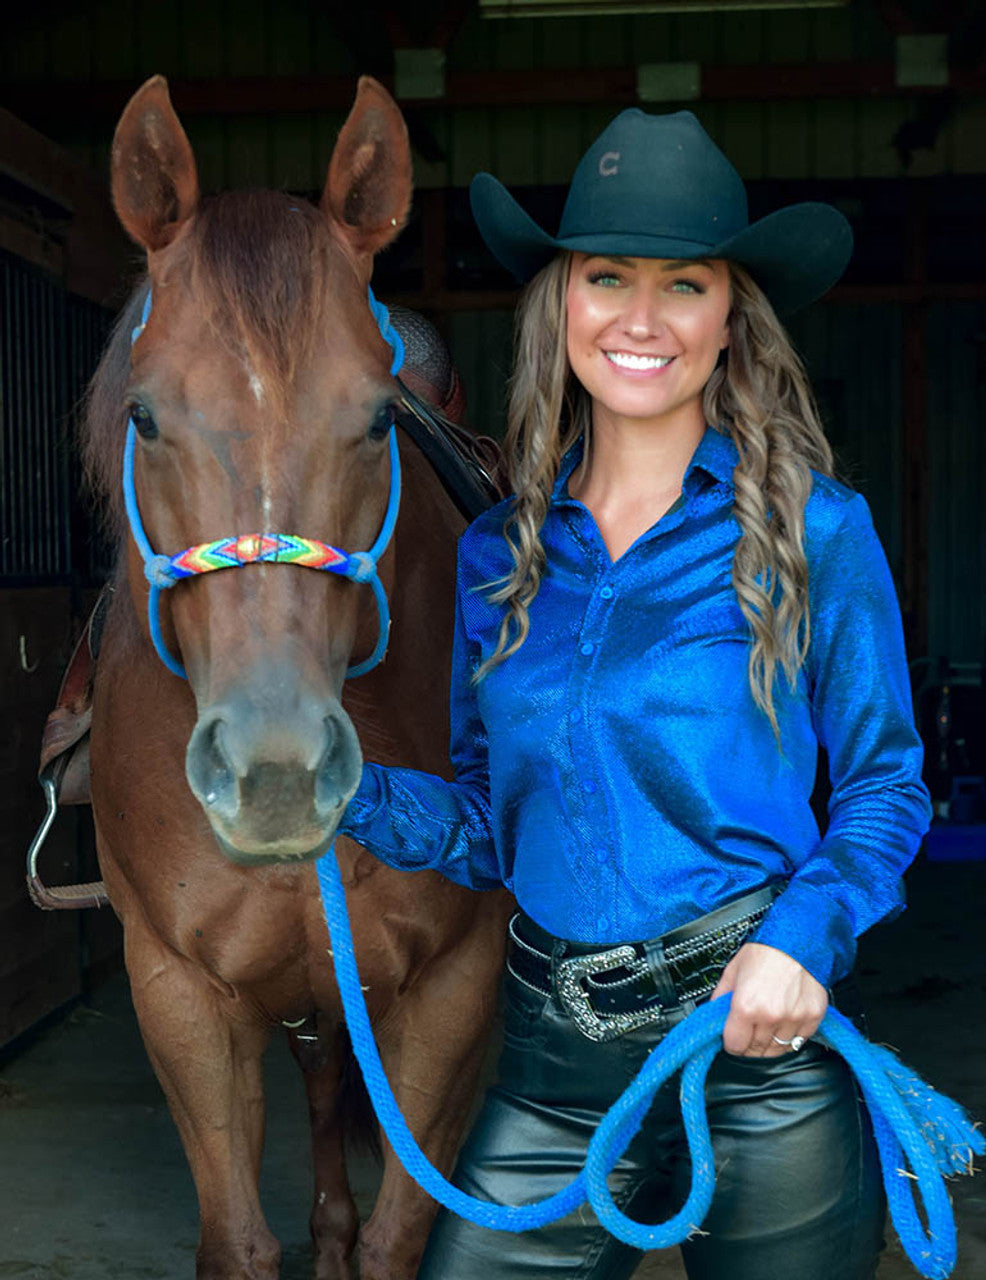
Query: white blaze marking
point(257, 387)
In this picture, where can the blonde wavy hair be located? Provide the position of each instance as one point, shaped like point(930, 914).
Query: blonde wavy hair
point(758, 394)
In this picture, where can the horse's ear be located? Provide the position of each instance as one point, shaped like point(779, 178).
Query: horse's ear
point(154, 180)
point(367, 194)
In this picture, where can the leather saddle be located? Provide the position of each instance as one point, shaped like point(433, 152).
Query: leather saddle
point(469, 466)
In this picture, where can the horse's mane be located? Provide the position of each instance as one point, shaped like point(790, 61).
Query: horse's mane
point(257, 263)
point(104, 418)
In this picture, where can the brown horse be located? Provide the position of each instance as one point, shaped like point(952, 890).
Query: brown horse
point(260, 385)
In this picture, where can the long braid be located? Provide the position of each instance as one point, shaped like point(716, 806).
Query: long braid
point(762, 397)
point(548, 411)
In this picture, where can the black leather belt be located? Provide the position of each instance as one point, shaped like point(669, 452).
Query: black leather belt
point(609, 992)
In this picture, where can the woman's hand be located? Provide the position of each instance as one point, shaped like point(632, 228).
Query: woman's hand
point(773, 995)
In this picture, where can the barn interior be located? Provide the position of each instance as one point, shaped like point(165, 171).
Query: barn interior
point(876, 106)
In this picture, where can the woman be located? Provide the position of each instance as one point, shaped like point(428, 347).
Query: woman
point(653, 636)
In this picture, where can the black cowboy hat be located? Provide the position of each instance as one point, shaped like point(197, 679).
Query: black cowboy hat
point(659, 187)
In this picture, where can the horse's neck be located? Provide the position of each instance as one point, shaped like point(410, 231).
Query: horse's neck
point(130, 637)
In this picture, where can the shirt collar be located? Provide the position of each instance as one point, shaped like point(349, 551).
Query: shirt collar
point(716, 455)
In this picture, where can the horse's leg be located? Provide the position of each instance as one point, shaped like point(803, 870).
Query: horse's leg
point(334, 1220)
point(433, 1070)
point(207, 1056)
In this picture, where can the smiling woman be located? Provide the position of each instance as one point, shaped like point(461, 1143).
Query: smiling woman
point(644, 335)
point(642, 338)
point(630, 760)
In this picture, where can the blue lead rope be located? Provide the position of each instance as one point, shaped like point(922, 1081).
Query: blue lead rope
point(920, 1134)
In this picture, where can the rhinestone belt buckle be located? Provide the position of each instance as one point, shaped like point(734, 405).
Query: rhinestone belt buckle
point(570, 975)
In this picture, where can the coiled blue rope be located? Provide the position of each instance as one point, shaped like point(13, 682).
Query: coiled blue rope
point(913, 1124)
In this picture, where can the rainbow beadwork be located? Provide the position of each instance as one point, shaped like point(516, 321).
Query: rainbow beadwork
point(254, 548)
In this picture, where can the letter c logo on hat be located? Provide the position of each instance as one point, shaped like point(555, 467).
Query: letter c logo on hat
point(609, 164)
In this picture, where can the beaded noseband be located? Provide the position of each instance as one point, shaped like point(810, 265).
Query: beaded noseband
point(163, 572)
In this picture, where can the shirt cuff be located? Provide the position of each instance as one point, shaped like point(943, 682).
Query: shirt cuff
point(363, 806)
point(813, 929)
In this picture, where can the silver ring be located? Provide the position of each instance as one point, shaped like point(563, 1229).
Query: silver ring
point(795, 1043)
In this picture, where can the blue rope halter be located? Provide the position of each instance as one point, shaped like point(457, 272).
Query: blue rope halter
point(909, 1120)
point(162, 572)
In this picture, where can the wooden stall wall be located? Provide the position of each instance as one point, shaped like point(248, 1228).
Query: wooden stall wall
point(50, 344)
point(40, 952)
point(59, 261)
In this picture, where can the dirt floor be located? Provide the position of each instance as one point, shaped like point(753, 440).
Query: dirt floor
point(93, 1183)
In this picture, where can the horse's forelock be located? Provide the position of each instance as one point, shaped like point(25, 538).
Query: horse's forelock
point(258, 264)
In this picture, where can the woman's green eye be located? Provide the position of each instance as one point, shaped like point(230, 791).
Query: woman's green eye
point(686, 286)
point(602, 277)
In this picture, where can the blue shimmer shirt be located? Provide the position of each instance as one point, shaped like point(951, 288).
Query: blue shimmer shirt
point(616, 774)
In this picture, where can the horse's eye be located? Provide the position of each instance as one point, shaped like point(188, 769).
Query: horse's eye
point(144, 424)
point(382, 422)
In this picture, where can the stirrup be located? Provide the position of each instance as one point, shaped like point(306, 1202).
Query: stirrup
point(67, 897)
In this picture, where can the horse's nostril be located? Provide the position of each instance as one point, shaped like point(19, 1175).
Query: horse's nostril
point(210, 773)
point(273, 782)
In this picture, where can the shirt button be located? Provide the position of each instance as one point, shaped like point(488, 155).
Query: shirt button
point(589, 786)
point(601, 855)
point(575, 715)
point(602, 924)
point(607, 593)
point(587, 648)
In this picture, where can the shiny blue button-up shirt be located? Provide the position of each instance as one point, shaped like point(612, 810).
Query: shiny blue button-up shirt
point(616, 774)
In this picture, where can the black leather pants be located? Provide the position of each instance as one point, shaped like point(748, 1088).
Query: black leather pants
point(798, 1187)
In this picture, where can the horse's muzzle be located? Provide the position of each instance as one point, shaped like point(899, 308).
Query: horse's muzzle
point(273, 772)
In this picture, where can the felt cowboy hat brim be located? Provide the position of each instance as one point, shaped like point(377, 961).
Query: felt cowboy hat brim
point(658, 187)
